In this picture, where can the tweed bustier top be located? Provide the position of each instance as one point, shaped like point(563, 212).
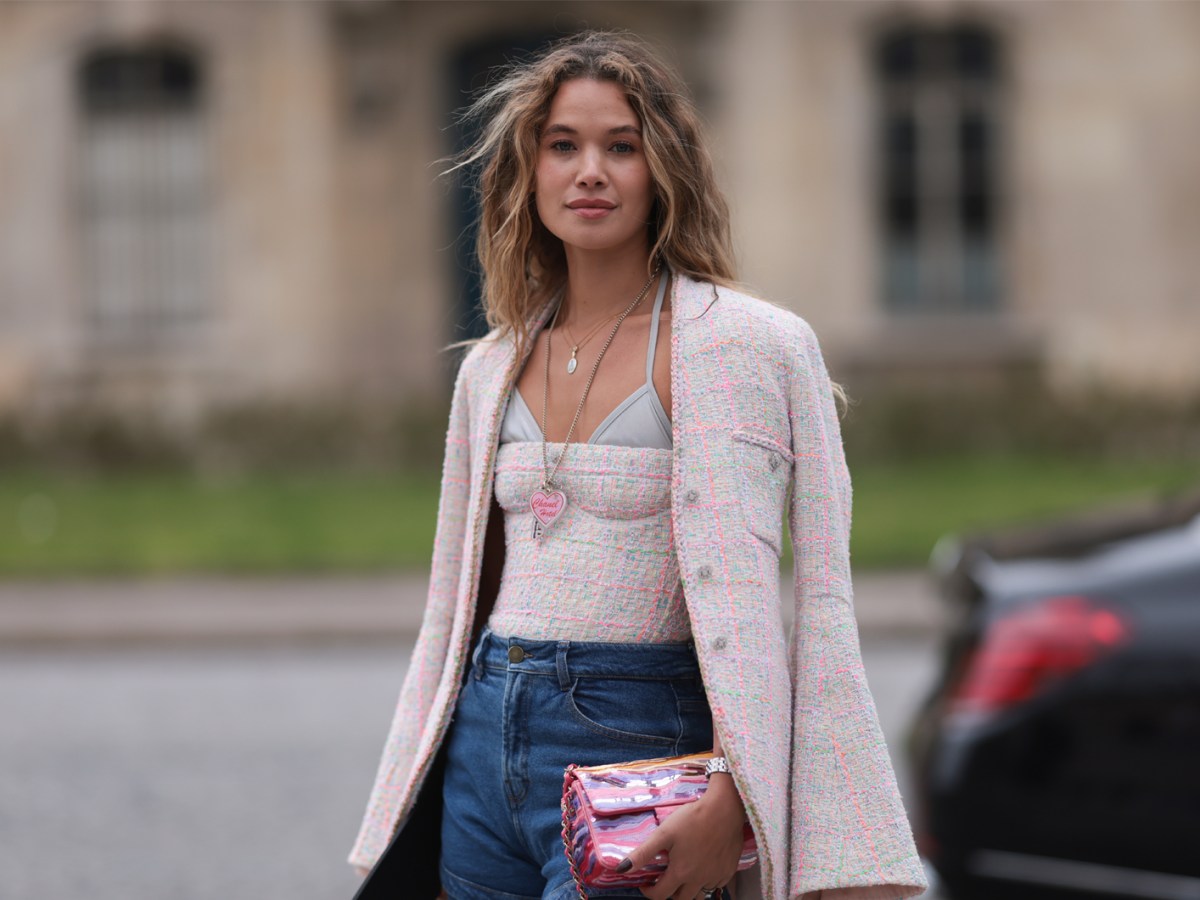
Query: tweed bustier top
point(606, 570)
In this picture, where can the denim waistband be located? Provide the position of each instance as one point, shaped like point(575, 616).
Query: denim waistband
point(585, 659)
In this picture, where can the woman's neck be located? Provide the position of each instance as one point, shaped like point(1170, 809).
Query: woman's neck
point(601, 285)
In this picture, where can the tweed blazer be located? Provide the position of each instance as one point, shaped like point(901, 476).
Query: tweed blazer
point(756, 437)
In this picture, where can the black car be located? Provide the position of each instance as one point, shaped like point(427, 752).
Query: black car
point(1058, 754)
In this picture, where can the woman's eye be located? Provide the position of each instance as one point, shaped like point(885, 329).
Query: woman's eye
point(561, 146)
point(623, 147)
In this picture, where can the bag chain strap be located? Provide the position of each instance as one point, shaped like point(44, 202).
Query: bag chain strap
point(566, 838)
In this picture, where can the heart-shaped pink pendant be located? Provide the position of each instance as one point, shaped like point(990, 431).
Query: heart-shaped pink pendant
point(547, 506)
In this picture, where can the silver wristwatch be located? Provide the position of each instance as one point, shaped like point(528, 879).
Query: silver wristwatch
point(716, 764)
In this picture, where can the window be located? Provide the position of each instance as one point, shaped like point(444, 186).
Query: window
point(145, 192)
point(939, 133)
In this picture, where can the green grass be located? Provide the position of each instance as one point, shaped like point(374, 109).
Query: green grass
point(155, 523)
point(54, 524)
point(900, 510)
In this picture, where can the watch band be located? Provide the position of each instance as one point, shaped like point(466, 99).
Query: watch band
point(716, 764)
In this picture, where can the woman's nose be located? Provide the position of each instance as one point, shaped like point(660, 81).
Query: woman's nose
point(591, 169)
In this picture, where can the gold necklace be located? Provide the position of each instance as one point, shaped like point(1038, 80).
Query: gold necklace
point(572, 363)
point(549, 502)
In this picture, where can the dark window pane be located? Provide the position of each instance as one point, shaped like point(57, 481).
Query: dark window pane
point(975, 190)
point(151, 79)
point(900, 174)
point(973, 134)
point(901, 137)
point(178, 77)
point(901, 211)
point(974, 52)
point(976, 213)
point(897, 57)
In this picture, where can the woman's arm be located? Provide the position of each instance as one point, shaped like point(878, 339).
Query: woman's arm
point(417, 694)
point(841, 771)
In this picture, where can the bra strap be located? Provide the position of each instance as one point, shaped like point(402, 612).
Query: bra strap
point(654, 315)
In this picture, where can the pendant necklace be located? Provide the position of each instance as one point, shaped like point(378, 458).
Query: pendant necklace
point(549, 502)
point(573, 363)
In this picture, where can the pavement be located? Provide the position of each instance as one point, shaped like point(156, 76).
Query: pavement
point(323, 607)
point(313, 607)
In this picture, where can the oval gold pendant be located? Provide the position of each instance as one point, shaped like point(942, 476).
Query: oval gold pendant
point(571, 365)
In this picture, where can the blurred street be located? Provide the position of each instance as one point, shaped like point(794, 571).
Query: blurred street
point(188, 773)
point(212, 769)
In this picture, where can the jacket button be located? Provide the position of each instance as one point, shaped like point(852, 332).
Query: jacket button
point(705, 572)
point(775, 461)
point(515, 654)
point(692, 496)
point(718, 643)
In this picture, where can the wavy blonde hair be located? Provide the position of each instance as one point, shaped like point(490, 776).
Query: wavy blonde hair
point(522, 263)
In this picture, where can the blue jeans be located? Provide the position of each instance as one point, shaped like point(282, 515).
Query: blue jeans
point(526, 711)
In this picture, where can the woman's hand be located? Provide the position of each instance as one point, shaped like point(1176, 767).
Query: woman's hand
point(703, 841)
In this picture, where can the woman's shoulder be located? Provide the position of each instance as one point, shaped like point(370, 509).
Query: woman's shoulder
point(482, 355)
point(761, 323)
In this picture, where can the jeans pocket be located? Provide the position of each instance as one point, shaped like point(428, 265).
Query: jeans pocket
point(641, 711)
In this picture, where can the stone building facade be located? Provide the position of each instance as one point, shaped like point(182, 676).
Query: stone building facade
point(213, 204)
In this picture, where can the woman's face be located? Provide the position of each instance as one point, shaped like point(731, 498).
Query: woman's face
point(592, 181)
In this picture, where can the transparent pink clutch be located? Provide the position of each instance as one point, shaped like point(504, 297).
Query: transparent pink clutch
point(607, 811)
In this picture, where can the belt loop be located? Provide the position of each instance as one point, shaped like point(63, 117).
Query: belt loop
point(560, 664)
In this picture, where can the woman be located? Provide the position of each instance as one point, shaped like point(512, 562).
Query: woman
point(621, 452)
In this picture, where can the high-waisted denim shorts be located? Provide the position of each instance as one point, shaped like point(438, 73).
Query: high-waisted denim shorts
point(527, 710)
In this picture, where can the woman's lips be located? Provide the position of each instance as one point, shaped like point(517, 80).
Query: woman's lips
point(591, 208)
point(591, 212)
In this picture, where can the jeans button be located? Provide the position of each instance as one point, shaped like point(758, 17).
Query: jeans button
point(515, 654)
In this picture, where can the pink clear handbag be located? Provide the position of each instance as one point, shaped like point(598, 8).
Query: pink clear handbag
point(609, 810)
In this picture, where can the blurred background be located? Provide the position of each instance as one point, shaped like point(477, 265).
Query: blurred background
point(229, 267)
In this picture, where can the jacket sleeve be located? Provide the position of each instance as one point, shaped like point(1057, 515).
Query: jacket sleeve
point(417, 691)
point(850, 836)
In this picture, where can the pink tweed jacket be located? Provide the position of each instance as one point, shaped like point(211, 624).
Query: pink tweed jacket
point(756, 437)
